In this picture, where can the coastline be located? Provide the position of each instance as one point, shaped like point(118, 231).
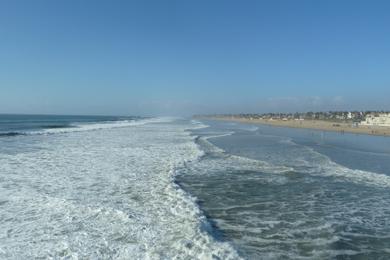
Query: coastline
point(314, 125)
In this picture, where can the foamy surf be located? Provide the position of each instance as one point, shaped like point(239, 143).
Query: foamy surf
point(105, 192)
point(318, 163)
point(274, 198)
point(101, 126)
point(301, 158)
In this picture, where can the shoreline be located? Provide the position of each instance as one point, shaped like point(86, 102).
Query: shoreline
point(314, 125)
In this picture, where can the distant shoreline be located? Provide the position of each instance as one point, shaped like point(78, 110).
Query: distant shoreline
point(313, 124)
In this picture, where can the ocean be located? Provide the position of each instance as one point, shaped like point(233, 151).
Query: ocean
point(283, 193)
point(168, 188)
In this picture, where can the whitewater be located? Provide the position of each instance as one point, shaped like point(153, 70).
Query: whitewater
point(76, 187)
point(280, 193)
point(103, 191)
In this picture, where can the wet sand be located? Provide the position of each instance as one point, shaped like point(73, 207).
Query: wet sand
point(315, 124)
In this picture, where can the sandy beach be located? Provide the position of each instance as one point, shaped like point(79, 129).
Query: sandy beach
point(315, 124)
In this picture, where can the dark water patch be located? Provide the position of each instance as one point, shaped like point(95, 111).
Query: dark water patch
point(30, 123)
point(296, 219)
point(10, 134)
point(211, 228)
point(302, 213)
point(59, 126)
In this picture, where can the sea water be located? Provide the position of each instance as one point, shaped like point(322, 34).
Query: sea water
point(168, 188)
point(280, 193)
point(100, 188)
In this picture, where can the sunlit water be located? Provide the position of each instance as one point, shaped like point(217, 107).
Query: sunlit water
point(279, 193)
point(102, 191)
point(166, 188)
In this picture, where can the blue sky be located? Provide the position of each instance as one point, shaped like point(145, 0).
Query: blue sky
point(183, 57)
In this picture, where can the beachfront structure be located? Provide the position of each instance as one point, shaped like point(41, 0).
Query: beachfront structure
point(349, 115)
point(370, 118)
point(377, 119)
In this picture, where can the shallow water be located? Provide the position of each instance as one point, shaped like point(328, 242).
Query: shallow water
point(166, 188)
point(103, 191)
point(278, 193)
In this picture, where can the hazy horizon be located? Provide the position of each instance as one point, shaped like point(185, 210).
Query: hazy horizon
point(101, 158)
point(182, 58)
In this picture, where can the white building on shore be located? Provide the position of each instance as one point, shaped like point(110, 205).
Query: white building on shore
point(379, 119)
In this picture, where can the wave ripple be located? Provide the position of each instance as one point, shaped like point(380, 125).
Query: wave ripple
point(104, 194)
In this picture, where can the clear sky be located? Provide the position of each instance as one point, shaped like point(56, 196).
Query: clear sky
point(182, 57)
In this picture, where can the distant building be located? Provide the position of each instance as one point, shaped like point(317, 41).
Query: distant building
point(379, 119)
point(349, 115)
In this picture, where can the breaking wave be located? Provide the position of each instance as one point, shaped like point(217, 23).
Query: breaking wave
point(8, 134)
point(81, 127)
point(106, 194)
point(320, 164)
point(277, 199)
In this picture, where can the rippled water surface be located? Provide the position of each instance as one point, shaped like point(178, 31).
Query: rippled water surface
point(166, 188)
point(279, 193)
point(102, 190)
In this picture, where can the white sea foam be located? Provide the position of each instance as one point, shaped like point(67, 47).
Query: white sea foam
point(198, 125)
point(252, 128)
point(289, 202)
point(305, 159)
point(104, 194)
point(102, 125)
point(318, 163)
point(221, 161)
point(300, 158)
